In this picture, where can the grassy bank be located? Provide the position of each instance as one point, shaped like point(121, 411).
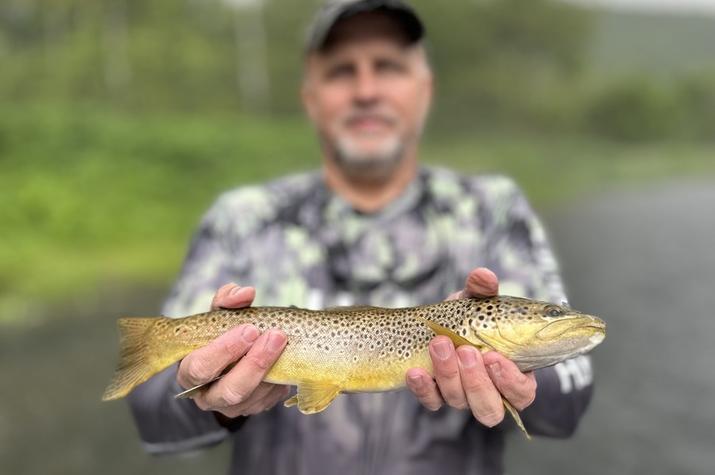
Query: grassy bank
point(91, 198)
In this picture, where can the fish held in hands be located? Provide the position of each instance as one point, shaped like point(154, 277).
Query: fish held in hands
point(361, 349)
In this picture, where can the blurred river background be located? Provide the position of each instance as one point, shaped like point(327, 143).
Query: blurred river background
point(121, 120)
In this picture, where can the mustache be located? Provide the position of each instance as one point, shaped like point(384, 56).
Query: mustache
point(357, 116)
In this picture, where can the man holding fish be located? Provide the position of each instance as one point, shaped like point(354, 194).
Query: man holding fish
point(373, 227)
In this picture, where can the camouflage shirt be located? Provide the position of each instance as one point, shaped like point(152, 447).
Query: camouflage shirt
point(300, 244)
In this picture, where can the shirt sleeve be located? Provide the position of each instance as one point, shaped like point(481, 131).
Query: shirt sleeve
point(165, 424)
point(519, 248)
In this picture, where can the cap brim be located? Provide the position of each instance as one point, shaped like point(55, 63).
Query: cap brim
point(327, 19)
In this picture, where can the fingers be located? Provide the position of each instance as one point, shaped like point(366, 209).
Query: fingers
point(482, 396)
point(481, 282)
point(237, 386)
point(207, 363)
point(233, 296)
point(446, 372)
point(463, 380)
point(518, 388)
point(263, 398)
point(424, 388)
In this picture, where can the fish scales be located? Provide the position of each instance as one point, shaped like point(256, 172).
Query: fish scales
point(362, 349)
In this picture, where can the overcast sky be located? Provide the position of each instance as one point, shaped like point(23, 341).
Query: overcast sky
point(697, 6)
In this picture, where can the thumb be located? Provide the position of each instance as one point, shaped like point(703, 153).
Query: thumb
point(233, 296)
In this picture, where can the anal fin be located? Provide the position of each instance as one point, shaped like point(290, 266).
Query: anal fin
point(313, 396)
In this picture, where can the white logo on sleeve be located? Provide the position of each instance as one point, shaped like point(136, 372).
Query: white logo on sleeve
point(574, 373)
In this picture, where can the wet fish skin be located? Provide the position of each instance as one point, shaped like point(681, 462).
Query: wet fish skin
point(361, 349)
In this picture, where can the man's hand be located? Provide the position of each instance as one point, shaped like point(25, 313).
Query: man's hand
point(464, 378)
point(241, 391)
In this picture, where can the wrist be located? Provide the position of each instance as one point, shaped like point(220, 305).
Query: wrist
point(232, 424)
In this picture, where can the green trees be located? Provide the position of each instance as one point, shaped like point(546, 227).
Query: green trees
point(501, 64)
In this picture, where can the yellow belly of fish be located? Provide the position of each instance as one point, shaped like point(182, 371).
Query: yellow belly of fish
point(320, 379)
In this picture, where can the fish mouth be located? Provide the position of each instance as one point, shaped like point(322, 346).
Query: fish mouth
point(579, 323)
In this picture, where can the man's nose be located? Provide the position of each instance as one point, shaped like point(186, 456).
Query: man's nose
point(366, 87)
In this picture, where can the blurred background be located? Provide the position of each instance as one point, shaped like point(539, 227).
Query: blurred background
point(121, 120)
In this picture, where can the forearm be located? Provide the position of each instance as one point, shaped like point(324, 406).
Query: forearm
point(562, 396)
point(167, 425)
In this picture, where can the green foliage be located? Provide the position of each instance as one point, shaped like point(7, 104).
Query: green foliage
point(529, 65)
point(642, 109)
point(697, 96)
point(123, 119)
point(636, 110)
point(505, 62)
point(91, 197)
point(496, 60)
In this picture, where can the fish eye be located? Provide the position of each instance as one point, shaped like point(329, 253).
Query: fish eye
point(553, 311)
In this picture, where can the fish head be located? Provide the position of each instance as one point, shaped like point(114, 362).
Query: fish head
point(538, 334)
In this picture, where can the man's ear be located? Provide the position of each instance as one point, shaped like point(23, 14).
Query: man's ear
point(430, 89)
point(429, 86)
point(308, 99)
point(307, 91)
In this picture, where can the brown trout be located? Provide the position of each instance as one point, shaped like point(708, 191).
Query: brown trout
point(362, 349)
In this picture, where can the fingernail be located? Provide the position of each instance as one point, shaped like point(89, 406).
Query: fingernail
point(243, 293)
point(495, 369)
point(250, 333)
point(468, 357)
point(416, 380)
point(442, 349)
point(275, 340)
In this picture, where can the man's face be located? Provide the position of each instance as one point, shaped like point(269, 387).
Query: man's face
point(368, 94)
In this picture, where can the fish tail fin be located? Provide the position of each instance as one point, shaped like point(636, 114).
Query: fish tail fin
point(138, 356)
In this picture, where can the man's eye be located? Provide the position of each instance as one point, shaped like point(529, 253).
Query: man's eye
point(340, 71)
point(390, 67)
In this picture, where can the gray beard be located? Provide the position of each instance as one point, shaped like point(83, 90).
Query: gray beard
point(368, 167)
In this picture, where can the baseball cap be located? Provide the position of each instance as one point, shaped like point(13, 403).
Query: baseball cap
point(335, 10)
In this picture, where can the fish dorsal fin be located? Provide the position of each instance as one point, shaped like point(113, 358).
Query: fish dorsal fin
point(458, 340)
point(313, 396)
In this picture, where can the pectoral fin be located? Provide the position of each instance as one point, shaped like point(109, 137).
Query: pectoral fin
point(313, 396)
point(191, 392)
point(456, 339)
point(459, 341)
point(517, 418)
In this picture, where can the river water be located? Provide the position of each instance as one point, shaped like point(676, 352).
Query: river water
point(645, 261)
